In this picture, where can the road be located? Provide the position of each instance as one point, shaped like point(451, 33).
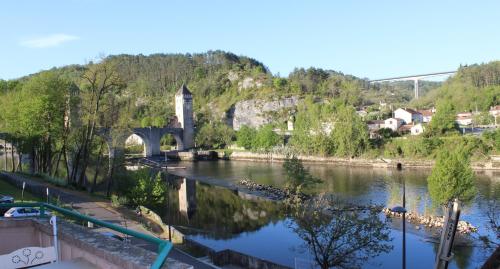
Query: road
point(102, 209)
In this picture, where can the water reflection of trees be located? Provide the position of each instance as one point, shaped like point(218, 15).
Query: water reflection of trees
point(219, 212)
point(340, 237)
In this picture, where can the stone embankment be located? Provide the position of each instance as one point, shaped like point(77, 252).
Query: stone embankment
point(492, 164)
point(271, 192)
point(464, 227)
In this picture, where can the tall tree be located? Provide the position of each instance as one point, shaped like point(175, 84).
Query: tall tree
point(451, 177)
point(350, 133)
point(99, 81)
point(444, 120)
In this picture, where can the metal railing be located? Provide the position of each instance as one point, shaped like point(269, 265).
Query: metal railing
point(164, 246)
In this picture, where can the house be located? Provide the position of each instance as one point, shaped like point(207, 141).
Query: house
point(495, 111)
point(417, 129)
point(427, 114)
point(393, 123)
point(464, 118)
point(405, 128)
point(408, 115)
point(362, 113)
point(374, 125)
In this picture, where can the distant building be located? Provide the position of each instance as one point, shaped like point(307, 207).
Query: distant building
point(405, 128)
point(417, 129)
point(495, 111)
point(374, 125)
point(408, 115)
point(393, 123)
point(362, 113)
point(464, 118)
point(427, 114)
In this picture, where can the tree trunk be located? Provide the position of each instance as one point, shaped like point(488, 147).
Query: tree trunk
point(55, 171)
point(111, 167)
point(98, 165)
point(12, 157)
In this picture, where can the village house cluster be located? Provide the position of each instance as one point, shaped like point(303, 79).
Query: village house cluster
point(411, 121)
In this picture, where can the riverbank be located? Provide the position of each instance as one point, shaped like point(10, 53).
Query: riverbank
point(492, 164)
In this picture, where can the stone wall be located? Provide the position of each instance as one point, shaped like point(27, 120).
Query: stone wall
point(379, 162)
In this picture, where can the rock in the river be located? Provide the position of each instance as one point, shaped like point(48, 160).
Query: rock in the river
point(463, 227)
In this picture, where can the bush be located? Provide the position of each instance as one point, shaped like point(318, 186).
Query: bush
point(245, 137)
point(117, 201)
point(214, 136)
point(266, 138)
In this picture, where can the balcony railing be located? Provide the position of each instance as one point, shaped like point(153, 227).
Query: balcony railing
point(164, 246)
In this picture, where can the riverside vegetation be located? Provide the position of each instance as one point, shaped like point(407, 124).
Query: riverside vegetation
point(54, 115)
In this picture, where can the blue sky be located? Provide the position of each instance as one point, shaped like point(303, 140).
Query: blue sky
point(373, 39)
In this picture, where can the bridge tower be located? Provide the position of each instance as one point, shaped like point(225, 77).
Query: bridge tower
point(184, 113)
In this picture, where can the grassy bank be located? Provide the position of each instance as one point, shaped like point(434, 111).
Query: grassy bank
point(9, 189)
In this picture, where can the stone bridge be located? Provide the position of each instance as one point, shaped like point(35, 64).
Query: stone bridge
point(180, 127)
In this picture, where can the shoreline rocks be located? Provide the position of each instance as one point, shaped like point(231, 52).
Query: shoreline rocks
point(435, 222)
point(271, 192)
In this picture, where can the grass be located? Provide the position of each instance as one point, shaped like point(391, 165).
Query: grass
point(11, 190)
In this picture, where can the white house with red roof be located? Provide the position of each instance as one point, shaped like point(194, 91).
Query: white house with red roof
point(408, 115)
point(427, 114)
point(393, 123)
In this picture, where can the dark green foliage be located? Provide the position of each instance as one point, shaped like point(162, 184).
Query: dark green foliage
point(142, 188)
point(452, 177)
point(472, 87)
point(350, 133)
point(214, 136)
point(297, 176)
point(444, 120)
point(266, 138)
point(245, 137)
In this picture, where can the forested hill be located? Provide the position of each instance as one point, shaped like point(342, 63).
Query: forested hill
point(217, 79)
point(474, 87)
point(220, 79)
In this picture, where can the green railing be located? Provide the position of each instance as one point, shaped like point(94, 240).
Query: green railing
point(164, 246)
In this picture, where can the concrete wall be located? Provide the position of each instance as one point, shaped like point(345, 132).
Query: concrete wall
point(77, 242)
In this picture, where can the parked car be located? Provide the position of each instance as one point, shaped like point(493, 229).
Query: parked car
point(5, 199)
point(17, 212)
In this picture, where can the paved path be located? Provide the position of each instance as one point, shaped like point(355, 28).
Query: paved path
point(102, 209)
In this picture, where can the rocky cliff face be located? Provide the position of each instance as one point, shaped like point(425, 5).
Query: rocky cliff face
point(255, 113)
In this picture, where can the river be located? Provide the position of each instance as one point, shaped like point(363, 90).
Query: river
point(214, 215)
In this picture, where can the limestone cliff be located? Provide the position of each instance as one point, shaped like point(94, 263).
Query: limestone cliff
point(255, 112)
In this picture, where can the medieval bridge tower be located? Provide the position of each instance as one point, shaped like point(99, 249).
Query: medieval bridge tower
point(184, 113)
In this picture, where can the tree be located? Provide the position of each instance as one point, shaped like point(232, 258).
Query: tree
point(338, 236)
point(100, 81)
point(444, 120)
point(483, 118)
point(245, 137)
point(266, 138)
point(350, 133)
point(297, 176)
point(451, 178)
point(214, 136)
point(149, 191)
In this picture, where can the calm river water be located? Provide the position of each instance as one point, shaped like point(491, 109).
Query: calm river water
point(225, 219)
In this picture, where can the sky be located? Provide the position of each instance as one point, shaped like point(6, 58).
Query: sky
point(369, 39)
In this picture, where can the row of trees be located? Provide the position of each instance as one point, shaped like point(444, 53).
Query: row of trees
point(56, 120)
